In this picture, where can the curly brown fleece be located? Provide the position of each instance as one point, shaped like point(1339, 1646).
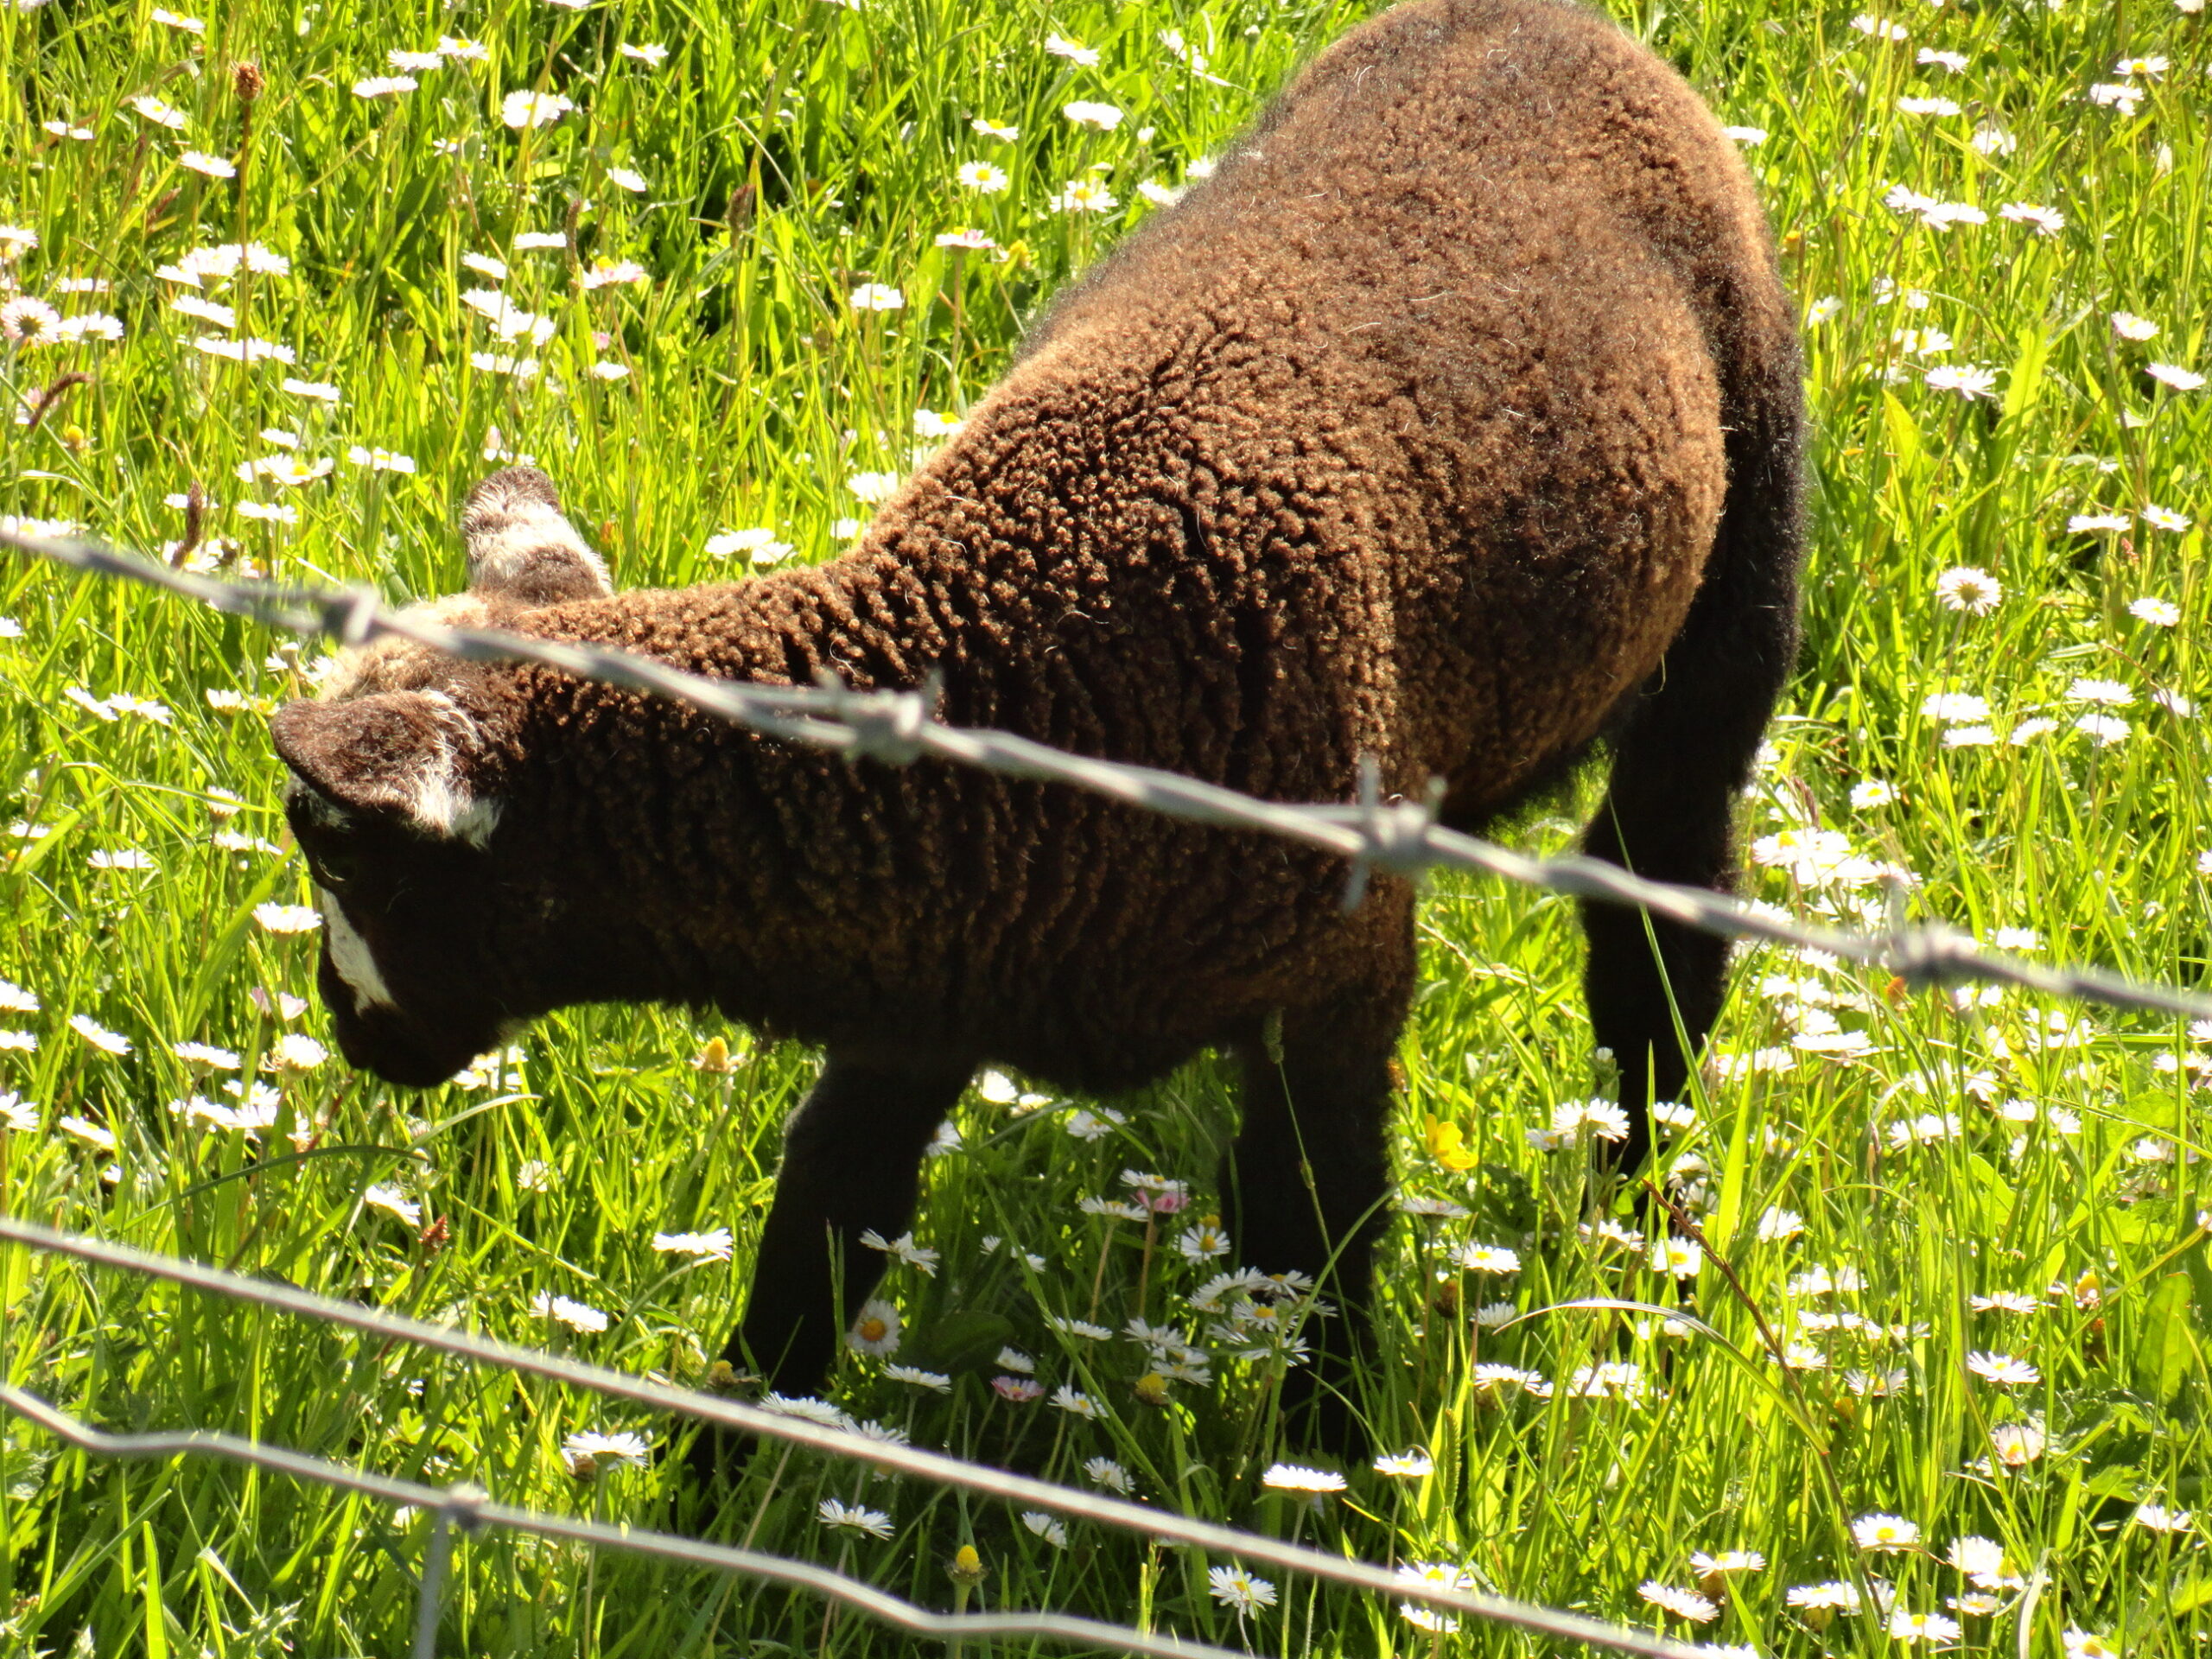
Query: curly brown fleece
point(1402, 435)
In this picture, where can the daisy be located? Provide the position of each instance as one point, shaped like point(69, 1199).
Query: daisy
point(577, 1316)
point(633, 182)
point(1084, 196)
point(2048, 221)
point(2128, 325)
point(1415, 1464)
point(2166, 519)
point(935, 1381)
point(152, 109)
point(586, 1453)
point(393, 1202)
point(199, 161)
point(1832, 1596)
point(904, 1248)
point(987, 128)
point(1682, 1604)
point(2005, 1369)
point(705, 1246)
point(1074, 51)
point(1104, 1472)
point(18, 1116)
point(1100, 118)
point(93, 1135)
point(2172, 375)
point(1296, 1477)
point(649, 53)
point(1050, 1527)
point(1885, 1532)
point(1922, 1627)
point(1486, 1258)
point(524, 108)
point(852, 1518)
point(2111, 694)
point(876, 296)
point(875, 1331)
point(1970, 588)
point(1684, 1258)
point(108, 1042)
point(29, 322)
point(296, 1052)
point(1968, 381)
point(288, 918)
point(1237, 1589)
point(198, 1053)
point(981, 175)
point(2158, 613)
point(385, 85)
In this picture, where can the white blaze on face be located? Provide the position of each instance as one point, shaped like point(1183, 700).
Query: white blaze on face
point(350, 957)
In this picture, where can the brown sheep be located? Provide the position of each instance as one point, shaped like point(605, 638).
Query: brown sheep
point(1455, 422)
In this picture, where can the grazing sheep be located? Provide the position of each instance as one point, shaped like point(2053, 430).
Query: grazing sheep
point(1455, 422)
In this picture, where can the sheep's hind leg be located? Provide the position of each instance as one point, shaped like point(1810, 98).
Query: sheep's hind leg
point(1680, 759)
point(1305, 1190)
point(852, 1163)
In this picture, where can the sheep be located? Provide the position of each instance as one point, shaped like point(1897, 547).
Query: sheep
point(1455, 422)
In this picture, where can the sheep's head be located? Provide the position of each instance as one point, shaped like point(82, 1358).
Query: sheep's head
point(395, 801)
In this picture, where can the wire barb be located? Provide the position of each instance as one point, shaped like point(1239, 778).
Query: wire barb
point(885, 725)
point(1394, 834)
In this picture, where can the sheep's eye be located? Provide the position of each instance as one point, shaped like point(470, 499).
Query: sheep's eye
point(336, 869)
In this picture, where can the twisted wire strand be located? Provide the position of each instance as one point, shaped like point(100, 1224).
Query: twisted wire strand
point(898, 726)
point(1248, 1547)
point(468, 1511)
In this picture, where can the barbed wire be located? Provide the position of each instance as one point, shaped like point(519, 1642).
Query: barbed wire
point(1163, 1525)
point(466, 1509)
point(896, 727)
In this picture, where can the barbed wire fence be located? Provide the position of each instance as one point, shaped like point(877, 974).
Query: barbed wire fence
point(897, 727)
point(466, 1509)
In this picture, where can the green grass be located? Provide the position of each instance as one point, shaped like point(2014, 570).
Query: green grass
point(792, 150)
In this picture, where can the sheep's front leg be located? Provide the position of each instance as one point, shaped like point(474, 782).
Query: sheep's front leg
point(1305, 1190)
point(852, 1163)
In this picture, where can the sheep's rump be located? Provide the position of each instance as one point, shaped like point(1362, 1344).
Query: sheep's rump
point(1454, 334)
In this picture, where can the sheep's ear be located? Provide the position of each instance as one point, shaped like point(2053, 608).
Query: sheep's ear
point(520, 546)
point(407, 752)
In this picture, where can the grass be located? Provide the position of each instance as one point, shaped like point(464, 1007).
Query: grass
point(1959, 1147)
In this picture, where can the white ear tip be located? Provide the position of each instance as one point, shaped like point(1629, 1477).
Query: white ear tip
point(521, 547)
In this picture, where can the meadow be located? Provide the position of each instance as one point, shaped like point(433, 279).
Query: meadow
point(278, 281)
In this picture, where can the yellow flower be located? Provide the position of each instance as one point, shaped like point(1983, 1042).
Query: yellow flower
point(967, 1565)
point(1449, 1147)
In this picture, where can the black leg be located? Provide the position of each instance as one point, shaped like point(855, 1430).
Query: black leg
point(1682, 758)
point(852, 1164)
point(1305, 1188)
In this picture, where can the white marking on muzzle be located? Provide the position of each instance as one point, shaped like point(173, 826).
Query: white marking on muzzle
point(351, 958)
